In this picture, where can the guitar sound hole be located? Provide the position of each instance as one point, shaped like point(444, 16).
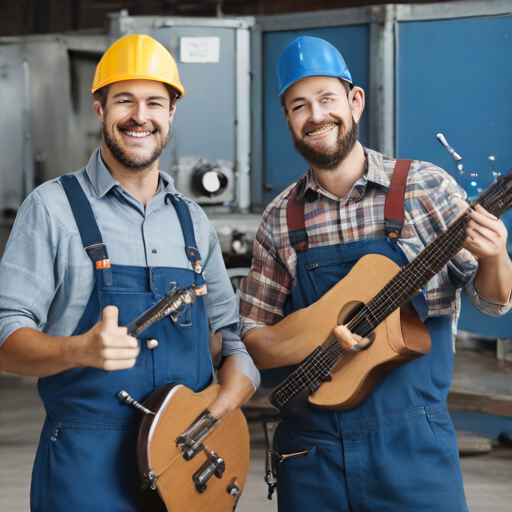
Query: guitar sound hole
point(349, 311)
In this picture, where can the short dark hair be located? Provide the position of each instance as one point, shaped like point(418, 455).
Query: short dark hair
point(102, 94)
point(347, 86)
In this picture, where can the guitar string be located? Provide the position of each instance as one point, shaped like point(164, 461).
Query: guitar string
point(334, 350)
point(453, 245)
point(332, 354)
point(170, 463)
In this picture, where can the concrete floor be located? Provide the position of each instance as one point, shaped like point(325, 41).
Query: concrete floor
point(487, 478)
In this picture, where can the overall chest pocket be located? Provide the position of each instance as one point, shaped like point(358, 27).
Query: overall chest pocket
point(323, 274)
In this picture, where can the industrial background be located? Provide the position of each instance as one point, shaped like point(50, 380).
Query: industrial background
point(426, 69)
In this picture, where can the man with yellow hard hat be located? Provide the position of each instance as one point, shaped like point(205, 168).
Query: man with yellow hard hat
point(64, 299)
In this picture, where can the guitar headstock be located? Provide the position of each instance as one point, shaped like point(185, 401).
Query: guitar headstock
point(497, 197)
point(174, 303)
point(180, 300)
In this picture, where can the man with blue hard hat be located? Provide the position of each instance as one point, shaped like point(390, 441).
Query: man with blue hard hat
point(396, 451)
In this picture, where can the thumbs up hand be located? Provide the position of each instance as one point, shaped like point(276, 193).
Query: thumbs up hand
point(108, 346)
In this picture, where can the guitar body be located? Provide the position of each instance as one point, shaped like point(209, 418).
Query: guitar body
point(176, 407)
point(398, 339)
point(368, 301)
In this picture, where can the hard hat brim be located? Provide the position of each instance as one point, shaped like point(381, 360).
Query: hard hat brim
point(315, 72)
point(178, 87)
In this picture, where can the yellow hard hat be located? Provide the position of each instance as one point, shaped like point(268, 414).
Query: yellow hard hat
point(139, 57)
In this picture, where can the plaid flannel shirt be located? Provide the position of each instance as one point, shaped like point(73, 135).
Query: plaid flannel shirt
point(429, 209)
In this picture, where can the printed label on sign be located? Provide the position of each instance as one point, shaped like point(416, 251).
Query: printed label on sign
point(199, 49)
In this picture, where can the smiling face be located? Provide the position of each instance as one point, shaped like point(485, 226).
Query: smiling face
point(322, 119)
point(135, 121)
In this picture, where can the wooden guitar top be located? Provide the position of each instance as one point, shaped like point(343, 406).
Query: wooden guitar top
point(230, 440)
point(304, 330)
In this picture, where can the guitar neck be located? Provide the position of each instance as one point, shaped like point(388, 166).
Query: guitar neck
point(412, 278)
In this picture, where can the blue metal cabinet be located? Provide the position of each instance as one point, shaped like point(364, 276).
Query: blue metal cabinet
point(282, 165)
point(454, 76)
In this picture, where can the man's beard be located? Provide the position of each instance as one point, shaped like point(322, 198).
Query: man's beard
point(123, 156)
point(322, 156)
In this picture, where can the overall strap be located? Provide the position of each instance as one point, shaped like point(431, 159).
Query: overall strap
point(394, 207)
point(87, 226)
point(296, 222)
point(187, 226)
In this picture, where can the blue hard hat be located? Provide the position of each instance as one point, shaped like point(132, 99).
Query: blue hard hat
point(310, 56)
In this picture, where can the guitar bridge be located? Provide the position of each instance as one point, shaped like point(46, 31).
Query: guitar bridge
point(214, 465)
point(191, 440)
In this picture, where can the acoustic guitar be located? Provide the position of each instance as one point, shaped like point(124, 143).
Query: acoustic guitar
point(368, 301)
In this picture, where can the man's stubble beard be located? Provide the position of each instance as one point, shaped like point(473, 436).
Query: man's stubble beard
point(123, 157)
point(322, 157)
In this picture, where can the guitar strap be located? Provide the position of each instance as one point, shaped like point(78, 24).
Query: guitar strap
point(393, 210)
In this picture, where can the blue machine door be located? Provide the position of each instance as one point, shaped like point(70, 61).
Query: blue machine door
point(454, 77)
point(282, 165)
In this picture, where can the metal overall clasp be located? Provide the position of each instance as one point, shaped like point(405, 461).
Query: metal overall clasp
point(273, 459)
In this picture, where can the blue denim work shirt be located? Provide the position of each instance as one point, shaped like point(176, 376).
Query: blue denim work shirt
point(47, 277)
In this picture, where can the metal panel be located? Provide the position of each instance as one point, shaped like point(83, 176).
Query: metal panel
point(257, 201)
point(282, 164)
point(243, 118)
point(454, 76)
point(315, 19)
point(381, 92)
point(204, 123)
point(16, 162)
point(85, 125)
point(121, 24)
point(50, 101)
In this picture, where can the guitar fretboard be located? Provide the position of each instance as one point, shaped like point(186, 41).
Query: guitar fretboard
point(406, 284)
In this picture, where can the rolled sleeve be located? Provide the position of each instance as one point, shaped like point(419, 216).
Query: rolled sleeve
point(483, 305)
point(264, 291)
point(232, 346)
point(27, 270)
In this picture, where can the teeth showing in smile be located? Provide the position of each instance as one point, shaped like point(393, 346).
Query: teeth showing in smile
point(321, 130)
point(138, 134)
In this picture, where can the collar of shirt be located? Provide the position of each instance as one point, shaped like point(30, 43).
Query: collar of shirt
point(375, 173)
point(102, 183)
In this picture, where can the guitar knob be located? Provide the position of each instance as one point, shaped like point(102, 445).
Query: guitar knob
point(233, 490)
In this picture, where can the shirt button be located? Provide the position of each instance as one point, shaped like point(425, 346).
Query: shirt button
point(154, 251)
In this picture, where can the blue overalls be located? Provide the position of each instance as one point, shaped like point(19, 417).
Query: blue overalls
point(396, 451)
point(86, 460)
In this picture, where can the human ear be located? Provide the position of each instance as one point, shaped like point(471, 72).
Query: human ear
point(356, 99)
point(96, 105)
point(172, 110)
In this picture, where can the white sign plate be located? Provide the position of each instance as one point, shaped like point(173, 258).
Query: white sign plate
point(199, 49)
